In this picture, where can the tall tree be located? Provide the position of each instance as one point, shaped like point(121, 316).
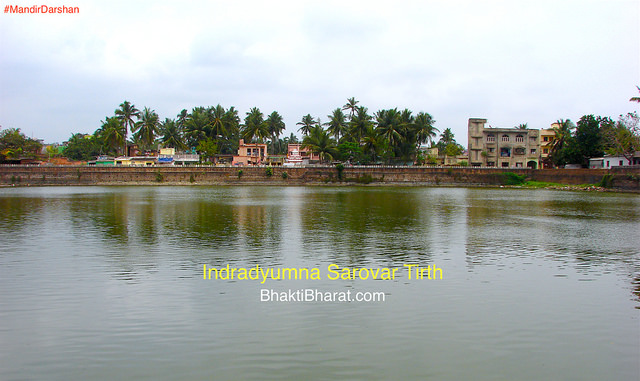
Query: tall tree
point(360, 124)
point(306, 124)
point(197, 126)
point(337, 124)
point(635, 99)
point(275, 125)
point(125, 115)
point(389, 125)
point(588, 137)
point(254, 126)
point(559, 153)
point(351, 105)
point(425, 131)
point(171, 134)
point(623, 138)
point(220, 124)
point(146, 130)
point(112, 133)
point(319, 141)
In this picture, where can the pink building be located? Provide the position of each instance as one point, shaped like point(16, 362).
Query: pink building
point(250, 154)
point(297, 154)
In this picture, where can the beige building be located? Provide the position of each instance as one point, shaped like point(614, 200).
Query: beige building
point(250, 154)
point(502, 147)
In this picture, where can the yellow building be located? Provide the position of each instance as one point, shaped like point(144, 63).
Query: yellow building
point(546, 143)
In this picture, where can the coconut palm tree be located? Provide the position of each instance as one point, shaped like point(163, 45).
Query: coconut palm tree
point(171, 134)
point(360, 123)
point(275, 126)
point(197, 126)
point(146, 129)
point(319, 141)
point(425, 131)
point(351, 105)
point(125, 115)
point(219, 121)
point(254, 126)
point(307, 123)
point(635, 99)
point(562, 131)
point(112, 133)
point(337, 124)
point(447, 136)
point(389, 126)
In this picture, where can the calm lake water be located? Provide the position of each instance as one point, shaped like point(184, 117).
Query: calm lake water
point(107, 283)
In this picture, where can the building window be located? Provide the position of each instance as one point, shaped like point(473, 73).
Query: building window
point(620, 162)
point(519, 138)
point(533, 151)
point(607, 163)
point(505, 165)
point(491, 138)
point(545, 139)
point(505, 138)
point(505, 152)
point(491, 149)
point(491, 164)
point(518, 165)
point(545, 150)
point(519, 151)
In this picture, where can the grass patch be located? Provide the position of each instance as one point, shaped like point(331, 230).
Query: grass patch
point(510, 178)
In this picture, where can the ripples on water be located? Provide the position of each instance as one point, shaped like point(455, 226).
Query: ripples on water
point(105, 283)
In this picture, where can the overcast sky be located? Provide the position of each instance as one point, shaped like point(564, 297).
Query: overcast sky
point(511, 62)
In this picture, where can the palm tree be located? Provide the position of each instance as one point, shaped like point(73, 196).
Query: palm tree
point(351, 106)
point(389, 126)
point(447, 137)
point(112, 133)
point(319, 141)
point(360, 123)
point(254, 126)
point(182, 118)
point(562, 130)
point(371, 142)
point(125, 114)
point(219, 122)
point(635, 99)
point(425, 132)
point(522, 126)
point(307, 123)
point(197, 126)
point(147, 128)
point(337, 124)
point(171, 134)
point(275, 126)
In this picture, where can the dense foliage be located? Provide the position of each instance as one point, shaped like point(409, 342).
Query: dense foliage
point(594, 136)
point(351, 134)
point(14, 145)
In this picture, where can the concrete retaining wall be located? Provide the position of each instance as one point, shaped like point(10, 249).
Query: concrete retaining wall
point(623, 178)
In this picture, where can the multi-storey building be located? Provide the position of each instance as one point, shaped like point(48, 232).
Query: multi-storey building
point(502, 147)
point(546, 143)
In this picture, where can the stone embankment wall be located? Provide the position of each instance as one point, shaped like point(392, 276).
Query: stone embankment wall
point(622, 178)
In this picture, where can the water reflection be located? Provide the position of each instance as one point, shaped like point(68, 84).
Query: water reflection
point(111, 277)
point(357, 228)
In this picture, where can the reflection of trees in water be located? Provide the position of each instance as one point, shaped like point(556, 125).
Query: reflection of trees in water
point(221, 231)
point(16, 211)
point(591, 233)
point(359, 226)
